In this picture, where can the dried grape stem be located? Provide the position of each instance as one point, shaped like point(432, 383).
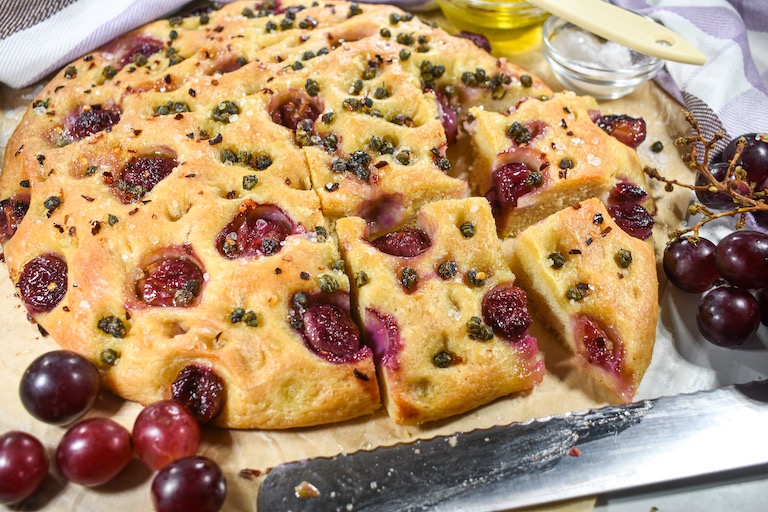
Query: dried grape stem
point(752, 202)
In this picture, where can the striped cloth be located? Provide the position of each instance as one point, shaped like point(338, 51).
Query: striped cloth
point(40, 36)
point(730, 91)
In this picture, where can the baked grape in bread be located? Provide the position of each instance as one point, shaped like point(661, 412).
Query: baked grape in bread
point(449, 329)
point(596, 286)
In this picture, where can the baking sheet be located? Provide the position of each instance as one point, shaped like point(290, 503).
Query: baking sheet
point(681, 362)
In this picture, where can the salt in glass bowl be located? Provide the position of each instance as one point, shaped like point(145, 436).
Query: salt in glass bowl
point(588, 64)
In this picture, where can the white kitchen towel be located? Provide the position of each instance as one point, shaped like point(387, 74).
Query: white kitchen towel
point(41, 36)
point(730, 91)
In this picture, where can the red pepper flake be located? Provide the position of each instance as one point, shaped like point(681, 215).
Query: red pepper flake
point(589, 241)
point(380, 164)
point(96, 227)
point(59, 227)
point(65, 309)
point(562, 174)
point(18, 151)
point(215, 140)
point(606, 231)
point(42, 330)
point(574, 452)
point(569, 133)
point(192, 92)
point(574, 251)
point(249, 473)
point(179, 116)
point(72, 231)
point(40, 158)
point(304, 276)
point(620, 275)
point(133, 211)
point(278, 271)
point(360, 375)
point(577, 206)
point(136, 133)
point(89, 199)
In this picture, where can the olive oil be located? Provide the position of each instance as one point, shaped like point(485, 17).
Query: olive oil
point(512, 23)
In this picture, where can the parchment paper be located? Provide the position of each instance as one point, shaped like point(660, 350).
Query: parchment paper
point(562, 389)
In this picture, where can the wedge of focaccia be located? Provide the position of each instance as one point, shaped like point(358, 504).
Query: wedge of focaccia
point(447, 325)
point(545, 155)
point(597, 287)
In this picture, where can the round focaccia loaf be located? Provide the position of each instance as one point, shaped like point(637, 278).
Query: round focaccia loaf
point(542, 156)
point(597, 287)
point(447, 325)
point(168, 202)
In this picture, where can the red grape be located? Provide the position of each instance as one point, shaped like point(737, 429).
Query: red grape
point(94, 451)
point(762, 301)
point(742, 259)
point(691, 266)
point(59, 387)
point(23, 466)
point(189, 484)
point(719, 200)
point(163, 432)
point(754, 157)
point(728, 316)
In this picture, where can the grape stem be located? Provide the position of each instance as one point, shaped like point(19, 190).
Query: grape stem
point(751, 202)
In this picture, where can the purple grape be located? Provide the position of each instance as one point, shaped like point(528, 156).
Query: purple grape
point(258, 230)
point(189, 484)
point(742, 259)
point(753, 159)
point(511, 182)
point(447, 117)
point(140, 175)
point(290, 110)
point(163, 432)
point(691, 266)
point(43, 283)
point(171, 282)
point(728, 316)
point(12, 212)
point(59, 387)
point(719, 200)
point(762, 301)
point(626, 192)
point(331, 333)
point(94, 451)
point(601, 349)
point(629, 131)
point(90, 120)
point(505, 308)
point(478, 39)
point(632, 218)
point(140, 48)
point(200, 390)
point(23, 466)
point(404, 243)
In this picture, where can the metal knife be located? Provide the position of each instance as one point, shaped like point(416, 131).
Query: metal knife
point(538, 461)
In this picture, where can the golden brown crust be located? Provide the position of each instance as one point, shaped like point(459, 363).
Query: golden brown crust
point(622, 300)
point(562, 129)
point(433, 316)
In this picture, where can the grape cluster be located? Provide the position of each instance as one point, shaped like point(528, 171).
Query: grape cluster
point(59, 388)
point(737, 267)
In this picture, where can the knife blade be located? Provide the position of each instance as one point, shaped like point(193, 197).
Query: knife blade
point(538, 461)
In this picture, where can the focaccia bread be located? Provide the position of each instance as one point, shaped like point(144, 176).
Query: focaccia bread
point(544, 155)
point(168, 201)
point(597, 287)
point(447, 325)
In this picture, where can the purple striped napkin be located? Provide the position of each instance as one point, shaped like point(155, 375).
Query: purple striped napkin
point(40, 36)
point(729, 92)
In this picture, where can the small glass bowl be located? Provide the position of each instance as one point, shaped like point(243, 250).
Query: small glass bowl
point(498, 20)
point(588, 64)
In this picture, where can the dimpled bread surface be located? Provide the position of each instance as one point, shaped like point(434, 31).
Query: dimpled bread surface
point(577, 160)
point(607, 277)
point(413, 326)
point(220, 98)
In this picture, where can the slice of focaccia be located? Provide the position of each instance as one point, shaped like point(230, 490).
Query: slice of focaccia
point(448, 328)
point(598, 288)
point(545, 155)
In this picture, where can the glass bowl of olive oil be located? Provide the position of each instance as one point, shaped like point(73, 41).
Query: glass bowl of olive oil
point(502, 21)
